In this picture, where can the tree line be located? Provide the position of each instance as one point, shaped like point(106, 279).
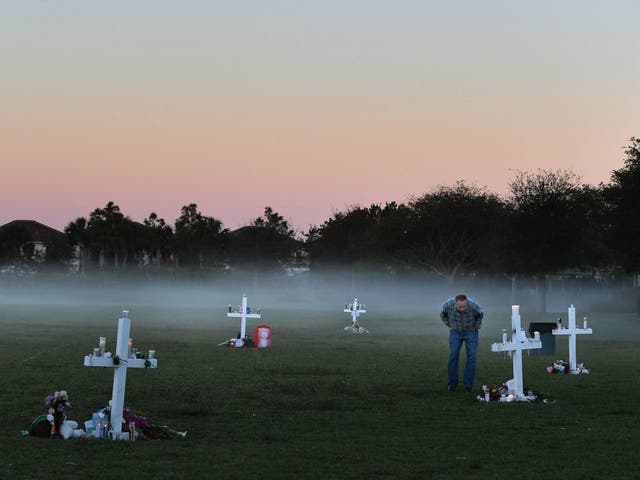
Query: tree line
point(110, 240)
point(548, 222)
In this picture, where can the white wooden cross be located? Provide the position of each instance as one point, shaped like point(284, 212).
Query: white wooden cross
point(120, 362)
point(244, 313)
point(572, 331)
point(518, 343)
point(355, 310)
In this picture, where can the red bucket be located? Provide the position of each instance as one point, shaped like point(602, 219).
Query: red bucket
point(262, 336)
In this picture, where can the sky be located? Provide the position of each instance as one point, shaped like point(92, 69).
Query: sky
point(307, 107)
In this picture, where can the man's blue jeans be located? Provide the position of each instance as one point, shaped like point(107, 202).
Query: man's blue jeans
point(470, 340)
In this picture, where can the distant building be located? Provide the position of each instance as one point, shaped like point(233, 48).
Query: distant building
point(29, 240)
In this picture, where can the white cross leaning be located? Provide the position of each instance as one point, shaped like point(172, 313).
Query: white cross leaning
point(243, 315)
point(355, 311)
point(120, 362)
point(518, 343)
point(572, 331)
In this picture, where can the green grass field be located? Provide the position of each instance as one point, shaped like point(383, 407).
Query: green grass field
point(320, 404)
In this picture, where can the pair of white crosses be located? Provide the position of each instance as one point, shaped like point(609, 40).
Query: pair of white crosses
point(122, 360)
point(520, 342)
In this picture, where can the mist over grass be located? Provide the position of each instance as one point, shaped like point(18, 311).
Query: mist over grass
point(305, 303)
point(311, 289)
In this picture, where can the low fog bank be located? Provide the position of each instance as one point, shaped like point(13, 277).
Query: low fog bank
point(309, 303)
point(307, 291)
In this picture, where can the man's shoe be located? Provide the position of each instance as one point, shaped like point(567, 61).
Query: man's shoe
point(451, 389)
point(467, 389)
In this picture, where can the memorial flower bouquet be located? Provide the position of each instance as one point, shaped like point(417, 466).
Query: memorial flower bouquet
point(58, 403)
point(560, 366)
point(580, 368)
point(490, 393)
point(135, 420)
point(355, 327)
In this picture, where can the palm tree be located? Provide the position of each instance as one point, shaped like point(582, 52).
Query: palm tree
point(199, 240)
point(76, 233)
point(107, 231)
point(158, 238)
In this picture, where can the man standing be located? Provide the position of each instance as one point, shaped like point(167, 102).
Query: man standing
point(463, 316)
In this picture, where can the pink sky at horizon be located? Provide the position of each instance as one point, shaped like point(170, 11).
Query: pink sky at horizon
point(237, 108)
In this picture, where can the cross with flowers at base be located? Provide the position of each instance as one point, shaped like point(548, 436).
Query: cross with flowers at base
point(572, 331)
point(120, 362)
point(355, 309)
point(518, 343)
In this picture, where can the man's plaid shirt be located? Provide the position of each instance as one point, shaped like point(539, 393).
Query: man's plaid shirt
point(462, 321)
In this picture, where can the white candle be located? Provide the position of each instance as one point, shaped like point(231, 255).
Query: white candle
point(515, 309)
point(103, 345)
point(536, 336)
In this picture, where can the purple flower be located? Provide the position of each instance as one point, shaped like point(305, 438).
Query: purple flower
point(58, 402)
